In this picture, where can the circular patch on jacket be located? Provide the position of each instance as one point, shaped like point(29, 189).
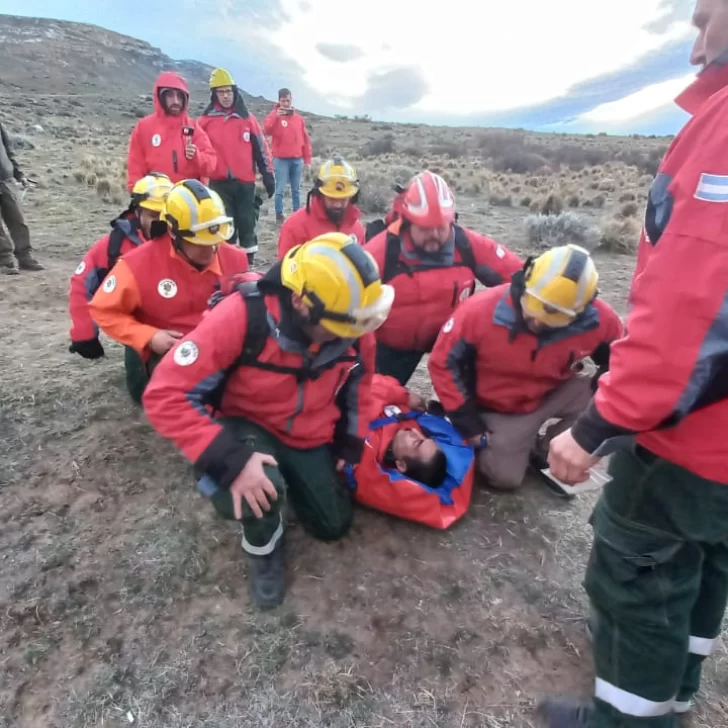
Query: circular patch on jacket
point(186, 354)
point(81, 268)
point(156, 140)
point(110, 284)
point(500, 252)
point(284, 123)
point(246, 136)
point(447, 326)
point(167, 288)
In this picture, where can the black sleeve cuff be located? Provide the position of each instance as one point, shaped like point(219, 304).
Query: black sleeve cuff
point(467, 420)
point(591, 430)
point(350, 449)
point(224, 459)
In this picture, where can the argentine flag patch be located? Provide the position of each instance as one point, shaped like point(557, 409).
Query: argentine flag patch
point(712, 188)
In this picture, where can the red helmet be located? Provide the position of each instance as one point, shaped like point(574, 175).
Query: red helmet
point(428, 201)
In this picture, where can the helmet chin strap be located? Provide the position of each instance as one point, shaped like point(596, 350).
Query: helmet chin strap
point(177, 244)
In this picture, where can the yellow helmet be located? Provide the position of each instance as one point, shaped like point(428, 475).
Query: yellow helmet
point(339, 281)
point(151, 191)
point(337, 178)
point(559, 285)
point(221, 77)
point(196, 214)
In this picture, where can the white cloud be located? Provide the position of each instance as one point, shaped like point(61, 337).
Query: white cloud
point(638, 103)
point(474, 57)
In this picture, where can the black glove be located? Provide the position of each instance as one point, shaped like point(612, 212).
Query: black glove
point(90, 349)
point(269, 182)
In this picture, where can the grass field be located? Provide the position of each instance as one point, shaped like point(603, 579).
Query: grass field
point(123, 599)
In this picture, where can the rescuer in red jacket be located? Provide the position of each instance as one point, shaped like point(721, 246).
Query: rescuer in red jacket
point(291, 146)
point(241, 151)
point(657, 576)
point(433, 265)
point(169, 140)
point(158, 292)
point(510, 358)
point(269, 394)
point(129, 230)
point(330, 207)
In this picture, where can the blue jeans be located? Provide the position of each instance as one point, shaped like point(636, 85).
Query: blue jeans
point(288, 171)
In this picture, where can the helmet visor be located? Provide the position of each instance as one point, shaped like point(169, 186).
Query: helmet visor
point(547, 313)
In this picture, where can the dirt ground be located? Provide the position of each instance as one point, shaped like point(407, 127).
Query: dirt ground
point(123, 599)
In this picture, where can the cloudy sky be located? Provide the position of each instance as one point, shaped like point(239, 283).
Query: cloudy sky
point(562, 65)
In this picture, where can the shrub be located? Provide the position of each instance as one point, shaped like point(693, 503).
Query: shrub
point(629, 209)
point(620, 235)
point(552, 205)
point(376, 147)
point(376, 193)
point(573, 201)
point(547, 231)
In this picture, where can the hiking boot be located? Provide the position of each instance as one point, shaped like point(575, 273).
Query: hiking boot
point(563, 713)
point(268, 577)
point(280, 219)
point(29, 263)
point(8, 269)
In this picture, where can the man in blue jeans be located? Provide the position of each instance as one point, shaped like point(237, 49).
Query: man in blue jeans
point(291, 146)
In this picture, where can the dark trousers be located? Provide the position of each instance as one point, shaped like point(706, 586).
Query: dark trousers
point(397, 363)
point(658, 582)
point(240, 204)
point(137, 372)
point(308, 477)
point(17, 239)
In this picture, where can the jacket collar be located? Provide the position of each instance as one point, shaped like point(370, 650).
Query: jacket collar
point(709, 81)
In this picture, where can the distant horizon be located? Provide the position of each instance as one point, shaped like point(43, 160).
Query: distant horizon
point(618, 88)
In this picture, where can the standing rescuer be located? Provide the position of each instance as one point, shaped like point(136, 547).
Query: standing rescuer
point(129, 230)
point(657, 576)
point(288, 366)
point(433, 264)
point(169, 140)
point(241, 150)
point(158, 292)
point(330, 207)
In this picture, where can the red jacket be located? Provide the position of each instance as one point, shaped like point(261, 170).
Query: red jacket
point(92, 270)
point(289, 137)
point(154, 288)
point(427, 296)
point(485, 360)
point(299, 414)
point(311, 221)
point(675, 354)
point(157, 144)
point(239, 144)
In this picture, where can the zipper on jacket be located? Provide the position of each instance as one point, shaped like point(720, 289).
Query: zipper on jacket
point(174, 160)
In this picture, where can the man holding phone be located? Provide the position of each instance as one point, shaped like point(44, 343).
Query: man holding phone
point(169, 140)
point(291, 150)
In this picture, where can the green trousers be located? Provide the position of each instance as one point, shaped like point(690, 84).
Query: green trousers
point(137, 373)
point(397, 363)
point(657, 579)
point(241, 204)
point(308, 477)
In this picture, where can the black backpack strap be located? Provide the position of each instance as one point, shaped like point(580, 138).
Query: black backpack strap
point(392, 265)
point(116, 240)
point(463, 246)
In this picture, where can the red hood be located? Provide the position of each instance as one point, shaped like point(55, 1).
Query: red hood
point(710, 80)
point(170, 79)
